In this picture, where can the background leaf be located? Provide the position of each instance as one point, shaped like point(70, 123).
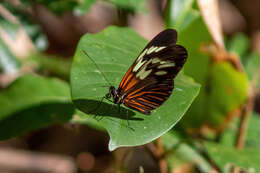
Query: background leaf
point(114, 50)
point(133, 5)
point(239, 44)
point(196, 59)
point(233, 87)
point(83, 6)
point(253, 67)
point(32, 102)
point(54, 65)
point(59, 7)
point(209, 107)
point(179, 152)
point(253, 131)
point(225, 157)
point(180, 14)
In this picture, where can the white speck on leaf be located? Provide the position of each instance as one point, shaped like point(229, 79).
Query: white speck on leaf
point(178, 89)
point(97, 71)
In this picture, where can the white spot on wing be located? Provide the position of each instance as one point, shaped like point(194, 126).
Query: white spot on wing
point(160, 48)
point(155, 49)
point(151, 49)
point(163, 62)
point(155, 60)
point(159, 73)
point(138, 65)
point(140, 61)
point(142, 54)
point(164, 65)
point(143, 74)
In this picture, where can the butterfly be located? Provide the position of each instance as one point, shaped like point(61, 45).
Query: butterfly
point(148, 83)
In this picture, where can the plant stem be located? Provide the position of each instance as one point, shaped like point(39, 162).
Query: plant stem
point(158, 153)
point(246, 112)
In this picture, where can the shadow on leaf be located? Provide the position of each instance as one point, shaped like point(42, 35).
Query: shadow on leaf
point(104, 109)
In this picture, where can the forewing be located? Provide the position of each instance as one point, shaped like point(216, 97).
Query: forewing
point(149, 81)
point(154, 48)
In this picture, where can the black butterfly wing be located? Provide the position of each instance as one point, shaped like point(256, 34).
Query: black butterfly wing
point(149, 81)
point(164, 39)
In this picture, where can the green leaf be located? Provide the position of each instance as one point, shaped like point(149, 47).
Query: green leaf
point(228, 137)
point(180, 14)
point(8, 62)
point(114, 50)
point(54, 65)
point(83, 6)
point(252, 140)
point(209, 107)
point(135, 5)
point(58, 6)
point(253, 131)
point(253, 67)
point(32, 102)
point(81, 118)
point(232, 88)
point(30, 90)
point(239, 44)
point(196, 59)
point(179, 153)
point(34, 118)
point(225, 157)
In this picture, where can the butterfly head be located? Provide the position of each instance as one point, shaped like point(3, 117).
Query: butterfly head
point(114, 94)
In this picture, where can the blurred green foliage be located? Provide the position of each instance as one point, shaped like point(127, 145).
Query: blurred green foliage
point(81, 7)
point(32, 102)
point(220, 81)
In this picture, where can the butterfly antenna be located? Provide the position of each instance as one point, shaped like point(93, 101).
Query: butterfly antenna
point(97, 67)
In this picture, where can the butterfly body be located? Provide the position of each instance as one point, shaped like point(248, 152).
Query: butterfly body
point(148, 83)
point(115, 95)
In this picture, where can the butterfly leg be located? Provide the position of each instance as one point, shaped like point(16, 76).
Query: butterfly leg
point(95, 116)
point(128, 123)
point(94, 110)
point(111, 108)
point(111, 102)
point(119, 108)
point(127, 118)
point(101, 101)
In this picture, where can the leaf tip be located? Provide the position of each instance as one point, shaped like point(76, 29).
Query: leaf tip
point(112, 145)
